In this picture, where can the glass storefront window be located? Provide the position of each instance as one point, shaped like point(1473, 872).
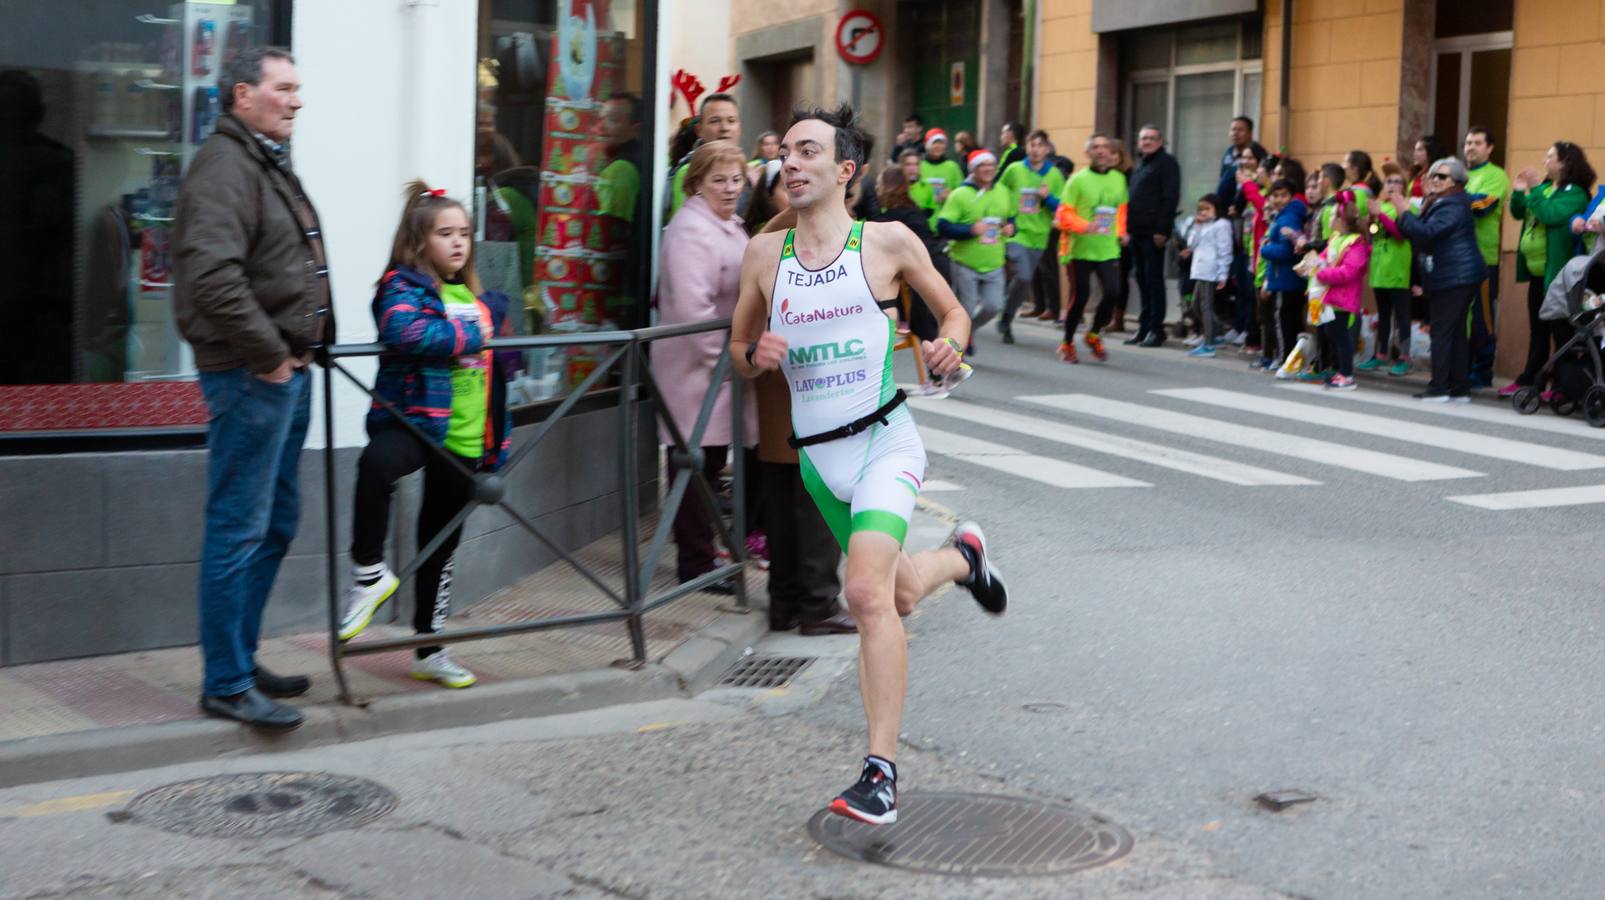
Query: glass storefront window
point(1212, 43)
point(101, 108)
point(560, 198)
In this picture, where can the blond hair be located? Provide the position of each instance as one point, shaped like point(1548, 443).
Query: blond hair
point(708, 156)
point(411, 245)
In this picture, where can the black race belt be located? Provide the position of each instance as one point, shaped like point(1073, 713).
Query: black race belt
point(851, 428)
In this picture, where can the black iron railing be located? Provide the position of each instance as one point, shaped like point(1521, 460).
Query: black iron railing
point(625, 353)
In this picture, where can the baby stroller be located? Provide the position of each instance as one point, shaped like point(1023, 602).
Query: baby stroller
point(1578, 295)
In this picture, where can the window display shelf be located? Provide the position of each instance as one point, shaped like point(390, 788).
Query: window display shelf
point(126, 133)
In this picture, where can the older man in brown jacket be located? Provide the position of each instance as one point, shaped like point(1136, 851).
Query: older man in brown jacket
point(251, 290)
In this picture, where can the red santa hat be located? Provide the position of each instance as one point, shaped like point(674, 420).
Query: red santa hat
point(979, 157)
point(935, 134)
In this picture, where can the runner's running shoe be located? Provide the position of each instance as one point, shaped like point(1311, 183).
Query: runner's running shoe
point(440, 668)
point(1067, 352)
point(872, 800)
point(985, 584)
point(363, 600)
point(1095, 344)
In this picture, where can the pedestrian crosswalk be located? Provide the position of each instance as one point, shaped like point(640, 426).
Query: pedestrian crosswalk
point(1077, 441)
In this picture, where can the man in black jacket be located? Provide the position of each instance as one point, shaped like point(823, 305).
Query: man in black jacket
point(1155, 194)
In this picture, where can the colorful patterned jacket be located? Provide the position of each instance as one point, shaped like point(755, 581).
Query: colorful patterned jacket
point(415, 372)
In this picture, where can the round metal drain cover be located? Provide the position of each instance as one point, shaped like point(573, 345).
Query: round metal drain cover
point(980, 835)
point(262, 804)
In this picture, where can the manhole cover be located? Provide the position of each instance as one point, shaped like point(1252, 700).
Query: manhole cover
point(980, 835)
point(764, 671)
point(262, 804)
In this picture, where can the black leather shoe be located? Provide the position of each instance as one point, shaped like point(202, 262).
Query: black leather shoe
point(1154, 340)
point(281, 685)
point(1137, 338)
point(785, 623)
point(254, 709)
point(840, 623)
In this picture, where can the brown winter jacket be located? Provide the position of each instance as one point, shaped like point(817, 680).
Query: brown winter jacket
point(249, 286)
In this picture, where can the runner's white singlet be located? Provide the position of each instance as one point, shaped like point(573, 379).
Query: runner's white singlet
point(839, 367)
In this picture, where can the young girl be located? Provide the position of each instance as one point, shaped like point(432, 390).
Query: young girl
point(1209, 250)
point(1342, 274)
point(435, 321)
point(1390, 274)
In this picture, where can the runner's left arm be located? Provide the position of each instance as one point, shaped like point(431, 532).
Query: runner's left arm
point(914, 267)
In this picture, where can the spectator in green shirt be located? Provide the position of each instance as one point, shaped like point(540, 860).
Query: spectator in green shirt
point(977, 217)
point(1488, 188)
point(1545, 206)
point(719, 120)
point(1035, 184)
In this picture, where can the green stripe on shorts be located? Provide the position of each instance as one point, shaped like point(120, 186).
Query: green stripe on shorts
point(881, 521)
point(838, 516)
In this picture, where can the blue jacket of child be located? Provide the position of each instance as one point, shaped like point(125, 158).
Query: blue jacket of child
point(1278, 251)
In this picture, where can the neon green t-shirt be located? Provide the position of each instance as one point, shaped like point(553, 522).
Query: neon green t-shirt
point(966, 206)
point(1390, 257)
point(1099, 198)
point(470, 378)
point(617, 188)
point(942, 178)
point(1033, 221)
point(1494, 185)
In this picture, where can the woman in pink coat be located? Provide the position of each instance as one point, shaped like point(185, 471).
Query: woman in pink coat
point(1343, 275)
point(699, 275)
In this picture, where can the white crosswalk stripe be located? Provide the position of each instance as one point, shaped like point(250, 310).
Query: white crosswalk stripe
point(1546, 422)
point(1055, 472)
point(1326, 453)
point(1212, 467)
point(1393, 429)
point(1566, 496)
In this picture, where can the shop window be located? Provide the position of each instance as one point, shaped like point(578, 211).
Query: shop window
point(1211, 43)
point(562, 183)
point(101, 110)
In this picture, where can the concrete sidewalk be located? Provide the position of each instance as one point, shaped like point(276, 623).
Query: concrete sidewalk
point(113, 713)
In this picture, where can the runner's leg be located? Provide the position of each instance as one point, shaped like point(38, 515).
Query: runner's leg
point(872, 559)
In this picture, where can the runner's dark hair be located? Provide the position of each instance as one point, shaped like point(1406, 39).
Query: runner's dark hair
point(852, 141)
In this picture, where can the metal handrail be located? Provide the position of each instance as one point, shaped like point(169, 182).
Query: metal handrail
point(635, 599)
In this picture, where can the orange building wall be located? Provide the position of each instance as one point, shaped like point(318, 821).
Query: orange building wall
point(1067, 75)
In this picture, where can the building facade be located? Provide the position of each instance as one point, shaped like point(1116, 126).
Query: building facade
point(502, 103)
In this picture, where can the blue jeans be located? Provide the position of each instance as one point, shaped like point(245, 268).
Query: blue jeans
point(253, 504)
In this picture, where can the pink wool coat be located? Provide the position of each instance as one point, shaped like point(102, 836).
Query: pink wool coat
point(699, 276)
point(1346, 281)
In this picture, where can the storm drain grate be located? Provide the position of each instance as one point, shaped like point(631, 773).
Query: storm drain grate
point(763, 671)
point(261, 804)
point(978, 835)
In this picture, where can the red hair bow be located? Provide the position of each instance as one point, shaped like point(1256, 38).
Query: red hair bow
point(438, 192)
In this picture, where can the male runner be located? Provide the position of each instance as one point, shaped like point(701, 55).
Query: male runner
point(817, 303)
point(1092, 209)
point(1035, 184)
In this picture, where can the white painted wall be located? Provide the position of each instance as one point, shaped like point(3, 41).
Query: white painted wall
point(389, 94)
point(699, 42)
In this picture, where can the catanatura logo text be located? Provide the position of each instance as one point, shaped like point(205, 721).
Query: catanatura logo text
point(823, 314)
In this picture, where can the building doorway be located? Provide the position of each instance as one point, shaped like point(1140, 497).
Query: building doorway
point(1471, 71)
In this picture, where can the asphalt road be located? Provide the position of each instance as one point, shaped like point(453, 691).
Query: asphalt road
point(1258, 597)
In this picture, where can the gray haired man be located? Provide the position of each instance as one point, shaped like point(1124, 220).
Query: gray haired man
point(251, 290)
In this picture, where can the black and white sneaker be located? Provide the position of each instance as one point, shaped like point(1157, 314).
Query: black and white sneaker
point(873, 800)
point(985, 584)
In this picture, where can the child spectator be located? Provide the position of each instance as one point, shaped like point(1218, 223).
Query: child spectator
point(1390, 274)
point(1285, 285)
point(1209, 252)
point(1337, 285)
